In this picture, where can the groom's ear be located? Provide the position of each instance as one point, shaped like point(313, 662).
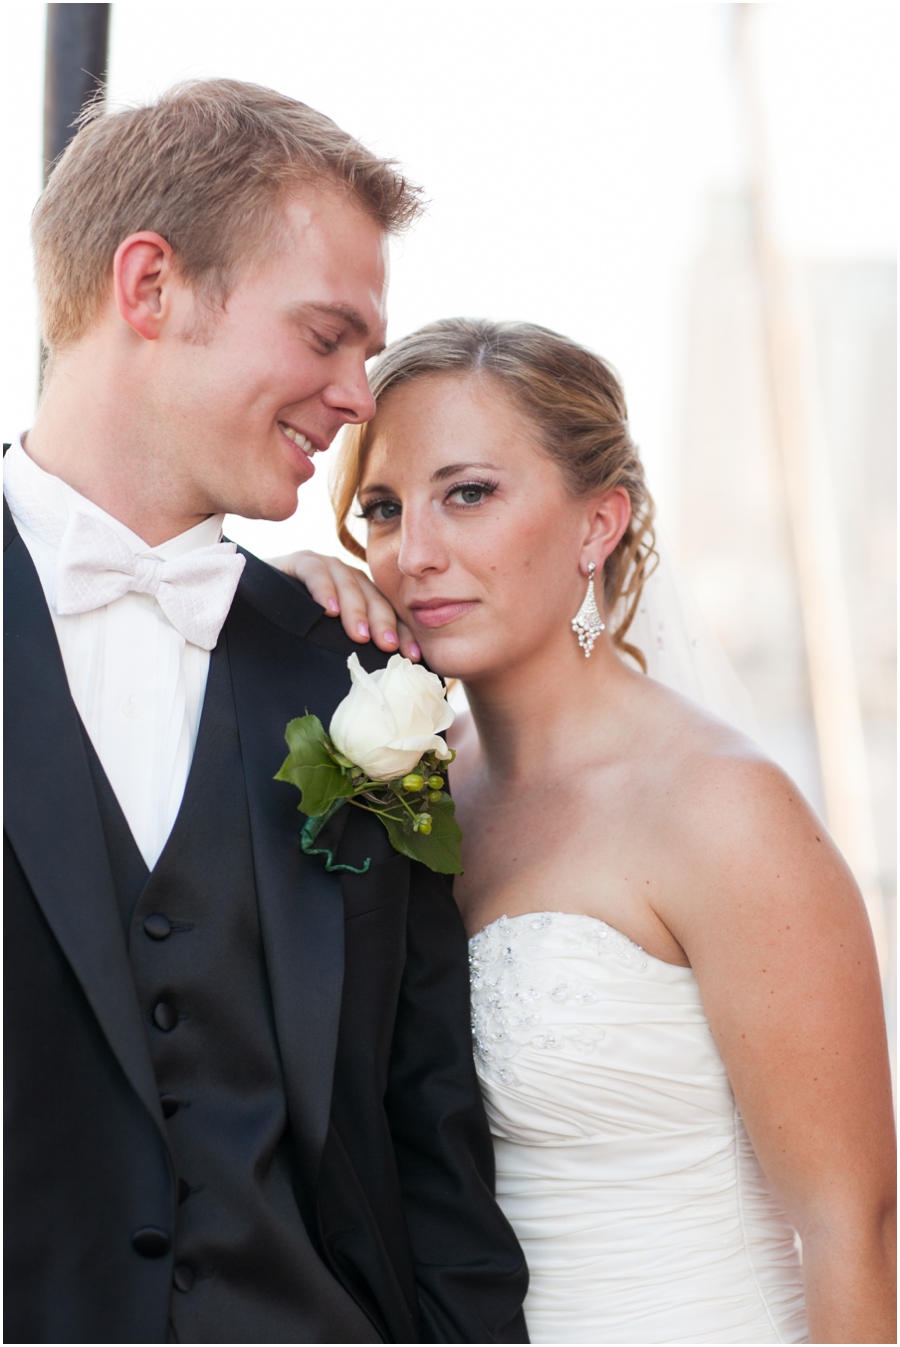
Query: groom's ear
point(607, 520)
point(143, 277)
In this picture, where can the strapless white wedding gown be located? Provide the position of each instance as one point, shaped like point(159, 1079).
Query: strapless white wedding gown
point(622, 1162)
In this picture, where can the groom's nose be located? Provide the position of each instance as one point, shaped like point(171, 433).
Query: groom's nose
point(350, 394)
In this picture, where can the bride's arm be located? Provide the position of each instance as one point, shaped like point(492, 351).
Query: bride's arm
point(778, 937)
point(348, 593)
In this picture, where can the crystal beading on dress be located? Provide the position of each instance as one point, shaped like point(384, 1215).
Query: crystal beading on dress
point(506, 1002)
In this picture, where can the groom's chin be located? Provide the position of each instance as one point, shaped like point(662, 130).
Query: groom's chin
point(273, 510)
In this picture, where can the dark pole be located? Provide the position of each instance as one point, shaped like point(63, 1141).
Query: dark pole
point(77, 50)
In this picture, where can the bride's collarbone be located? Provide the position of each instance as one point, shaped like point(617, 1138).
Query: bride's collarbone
point(537, 869)
point(614, 839)
point(596, 841)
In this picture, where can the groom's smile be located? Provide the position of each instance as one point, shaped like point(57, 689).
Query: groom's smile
point(302, 441)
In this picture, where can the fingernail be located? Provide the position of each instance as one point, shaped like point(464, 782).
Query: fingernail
point(363, 628)
point(333, 606)
point(414, 651)
point(391, 636)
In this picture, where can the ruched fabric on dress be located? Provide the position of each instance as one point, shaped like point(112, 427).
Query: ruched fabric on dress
point(623, 1164)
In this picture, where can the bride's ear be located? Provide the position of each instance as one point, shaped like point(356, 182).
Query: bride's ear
point(607, 520)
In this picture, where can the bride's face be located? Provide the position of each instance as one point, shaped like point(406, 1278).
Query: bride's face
point(471, 533)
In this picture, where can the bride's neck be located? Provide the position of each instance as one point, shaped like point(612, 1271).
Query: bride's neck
point(533, 717)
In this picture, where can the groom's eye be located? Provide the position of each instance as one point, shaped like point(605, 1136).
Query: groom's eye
point(326, 345)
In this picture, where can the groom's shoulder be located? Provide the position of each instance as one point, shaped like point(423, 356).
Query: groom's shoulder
point(287, 603)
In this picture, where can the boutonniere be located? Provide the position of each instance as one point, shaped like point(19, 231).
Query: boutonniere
point(382, 752)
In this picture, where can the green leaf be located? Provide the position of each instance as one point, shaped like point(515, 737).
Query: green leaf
point(439, 850)
point(306, 735)
point(310, 767)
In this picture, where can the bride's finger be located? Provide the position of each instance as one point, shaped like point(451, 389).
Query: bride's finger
point(313, 571)
point(365, 611)
point(344, 591)
point(408, 646)
point(389, 632)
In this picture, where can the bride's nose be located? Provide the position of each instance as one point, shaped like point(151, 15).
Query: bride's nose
point(421, 546)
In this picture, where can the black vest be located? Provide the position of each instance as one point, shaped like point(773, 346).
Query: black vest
point(246, 1269)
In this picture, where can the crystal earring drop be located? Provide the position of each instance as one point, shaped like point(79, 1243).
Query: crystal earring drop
point(587, 623)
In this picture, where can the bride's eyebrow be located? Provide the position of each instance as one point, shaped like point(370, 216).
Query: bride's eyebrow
point(440, 475)
point(453, 468)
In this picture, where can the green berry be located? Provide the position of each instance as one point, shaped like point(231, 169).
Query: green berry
point(413, 782)
point(434, 795)
point(422, 824)
point(435, 783)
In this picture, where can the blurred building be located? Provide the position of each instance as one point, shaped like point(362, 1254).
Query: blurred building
point(733, 531)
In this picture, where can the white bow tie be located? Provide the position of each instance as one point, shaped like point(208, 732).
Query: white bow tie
point(195, 591)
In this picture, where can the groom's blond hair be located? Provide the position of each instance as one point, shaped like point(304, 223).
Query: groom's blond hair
point(207, 166)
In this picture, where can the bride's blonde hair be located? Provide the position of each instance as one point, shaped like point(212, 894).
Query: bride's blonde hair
point(575, 401)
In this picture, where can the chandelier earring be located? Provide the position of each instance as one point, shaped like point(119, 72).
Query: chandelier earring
point(587, 623)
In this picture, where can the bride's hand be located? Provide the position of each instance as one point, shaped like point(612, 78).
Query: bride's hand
point(345, 592)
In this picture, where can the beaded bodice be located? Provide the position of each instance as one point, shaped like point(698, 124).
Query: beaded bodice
point(520, 1003)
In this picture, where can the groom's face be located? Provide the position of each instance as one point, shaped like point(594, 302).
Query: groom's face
point(250, 396)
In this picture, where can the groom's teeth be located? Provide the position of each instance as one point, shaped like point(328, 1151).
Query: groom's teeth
point(300, 440)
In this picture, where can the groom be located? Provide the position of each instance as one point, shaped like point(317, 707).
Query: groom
point(241, 1100)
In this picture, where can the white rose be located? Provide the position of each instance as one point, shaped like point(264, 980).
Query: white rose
point(390, 718)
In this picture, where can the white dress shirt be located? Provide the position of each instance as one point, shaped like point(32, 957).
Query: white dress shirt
point(137, 683)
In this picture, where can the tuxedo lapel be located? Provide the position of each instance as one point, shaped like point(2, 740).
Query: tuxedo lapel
point(277, 675)
point(52, 818)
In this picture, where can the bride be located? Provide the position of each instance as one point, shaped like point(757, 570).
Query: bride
point(676, 1005)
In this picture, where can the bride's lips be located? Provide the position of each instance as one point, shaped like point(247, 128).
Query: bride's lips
point(438, 612)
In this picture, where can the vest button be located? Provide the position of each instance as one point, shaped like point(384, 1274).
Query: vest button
point(170, 1105)
point(157, 926)
point(183, 1277)
point(151, 1242)
point(165, 1016)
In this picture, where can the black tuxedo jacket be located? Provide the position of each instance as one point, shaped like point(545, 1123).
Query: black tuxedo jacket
point(368, 978)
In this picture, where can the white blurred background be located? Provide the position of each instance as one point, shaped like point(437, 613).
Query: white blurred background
point(589, 168)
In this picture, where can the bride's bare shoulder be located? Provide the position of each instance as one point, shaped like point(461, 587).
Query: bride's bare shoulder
point(718, 794)
point(682, 739)
point(731, 822)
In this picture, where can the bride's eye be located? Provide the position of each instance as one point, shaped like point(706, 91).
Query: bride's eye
point(380, 511)
point(471, 493)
